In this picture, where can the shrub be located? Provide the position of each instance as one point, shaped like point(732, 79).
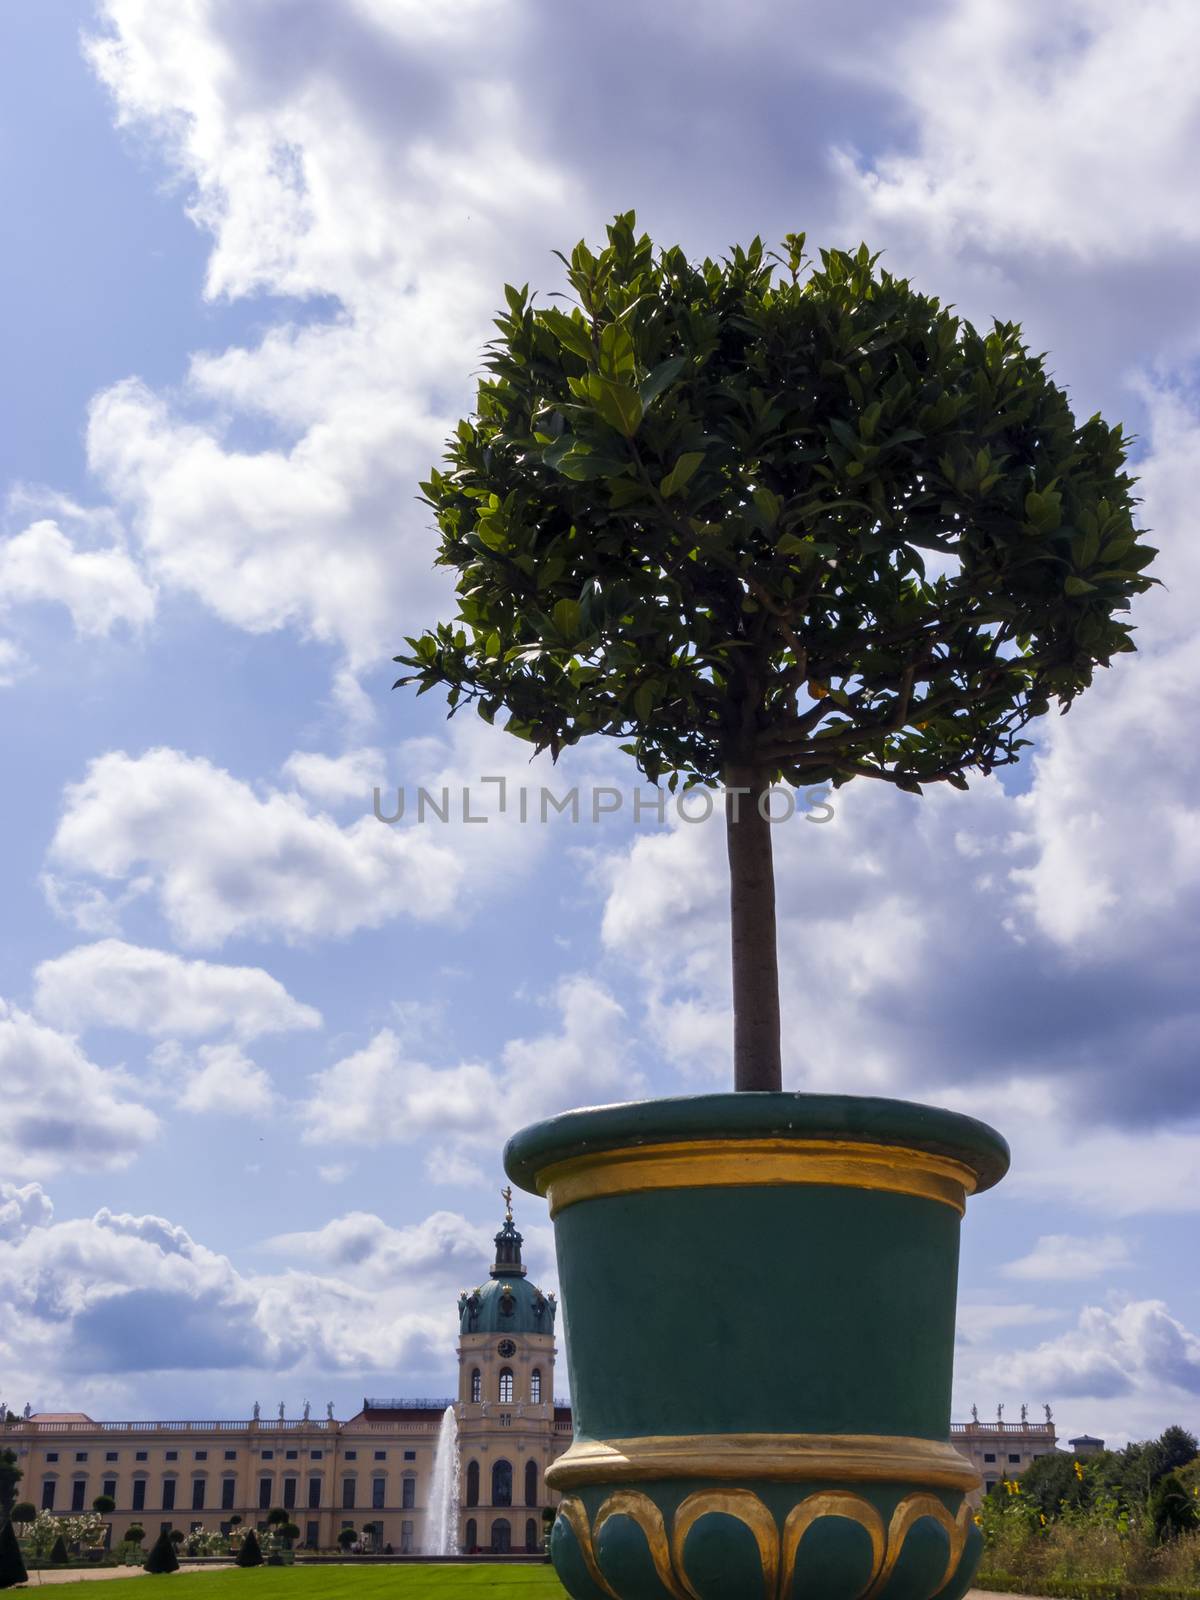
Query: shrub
point(162, 1557)
point(24, 1511)
point(59, 1554)
point(135, 1533)
point(12, 1568)
point(104, 1505)
point(250, 1554)
point(1172, 1509)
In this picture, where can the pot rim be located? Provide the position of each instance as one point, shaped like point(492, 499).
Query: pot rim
point(742, 1116)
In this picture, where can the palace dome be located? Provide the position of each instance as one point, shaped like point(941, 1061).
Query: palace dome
point(508, 1302)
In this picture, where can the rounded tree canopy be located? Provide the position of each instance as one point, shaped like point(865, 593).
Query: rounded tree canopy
point(748, 515)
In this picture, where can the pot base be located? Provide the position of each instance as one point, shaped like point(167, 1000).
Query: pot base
point(680, 1540)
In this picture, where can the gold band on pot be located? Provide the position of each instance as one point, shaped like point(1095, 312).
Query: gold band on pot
point(741, 1163)
point(786, 1457)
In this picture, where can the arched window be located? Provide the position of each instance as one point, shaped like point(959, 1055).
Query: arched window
point(531, 1483)
point(502, 1483)
point(472, 1538)
point(531, 1537)
point(501, 1537)
point(477, 1386)
point(506, 1386)
point(535, 1386)
point(473, 1484)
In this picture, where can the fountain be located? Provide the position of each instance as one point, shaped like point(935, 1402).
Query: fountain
point(441, 1538)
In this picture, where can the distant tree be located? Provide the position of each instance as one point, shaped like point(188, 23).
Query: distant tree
point(162, 1557)
point(1132, 1473)
point(346, 1538)
point(277, 1518)
point(135, 1533)
point(289, 1532)
point(176, 1536)
point(12, 1567)
point(1172, 1509)
point(59, 1554)
point(24, 1511)
point(10, 1476)
point(235, 1522)
point(1175, 1447)
point(104, 1505)
point(1053, 1482)
point(250, 1553)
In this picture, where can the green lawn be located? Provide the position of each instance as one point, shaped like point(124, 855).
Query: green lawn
point(396, 1582)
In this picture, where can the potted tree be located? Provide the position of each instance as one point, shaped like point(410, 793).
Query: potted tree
point(773, 528)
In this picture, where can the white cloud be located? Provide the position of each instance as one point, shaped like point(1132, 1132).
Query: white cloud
point(1137, 1349)
point(1063, 1257)
point(22, 1209)
point(979, 1321)
point(379, 1095)
point(403, 209)
point(13, 663)
point(224, 861)
point(334, 780)
point(116, 985)
point(109, 1301)
point(1067, 129)
point(100, 588)
point(444, 1244)
point(60, 1109)
point(227, 1081)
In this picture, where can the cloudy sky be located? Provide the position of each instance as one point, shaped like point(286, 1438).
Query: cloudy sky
point(258, 1051)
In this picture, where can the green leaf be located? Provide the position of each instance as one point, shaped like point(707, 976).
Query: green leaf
point(582, 466)
point(616, 349)
point(663, 375)
point(566, 617)
point(1076, 585)
point(572, 332)
point(645, 699)
point(769, 504)
point(681, 473)
point(617, 403)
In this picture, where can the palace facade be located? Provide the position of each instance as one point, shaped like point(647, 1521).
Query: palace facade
point(372, 1473)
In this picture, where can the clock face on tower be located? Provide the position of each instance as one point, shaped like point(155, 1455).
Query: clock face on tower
point(506, 1347)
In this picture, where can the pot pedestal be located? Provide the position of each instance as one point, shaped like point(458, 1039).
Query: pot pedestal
point(759, 1292)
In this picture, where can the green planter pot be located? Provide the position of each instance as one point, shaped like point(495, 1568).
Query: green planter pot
point(759, 1293)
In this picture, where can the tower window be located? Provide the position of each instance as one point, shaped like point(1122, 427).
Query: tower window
point(476, 1386)
point(535, 1386)
point(472, 1487)
point(531, 1483)
point(506, 1387)
point(502, 1483)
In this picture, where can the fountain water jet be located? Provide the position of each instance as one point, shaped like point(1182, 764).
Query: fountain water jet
point(441, 1538)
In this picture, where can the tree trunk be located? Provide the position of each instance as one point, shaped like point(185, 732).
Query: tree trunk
point(756, 1044)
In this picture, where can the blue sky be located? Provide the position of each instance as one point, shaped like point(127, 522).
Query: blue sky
point(258, 1052)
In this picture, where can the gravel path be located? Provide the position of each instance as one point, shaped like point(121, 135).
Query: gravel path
point(39, 1580)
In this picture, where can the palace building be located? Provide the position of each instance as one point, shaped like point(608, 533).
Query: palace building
point(372, 1473)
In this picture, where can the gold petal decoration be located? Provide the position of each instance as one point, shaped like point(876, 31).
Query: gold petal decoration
point(745, 1507)
point(910, 1510)
point(574, 1513)
point(641, 1509)
point(836, 1503)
